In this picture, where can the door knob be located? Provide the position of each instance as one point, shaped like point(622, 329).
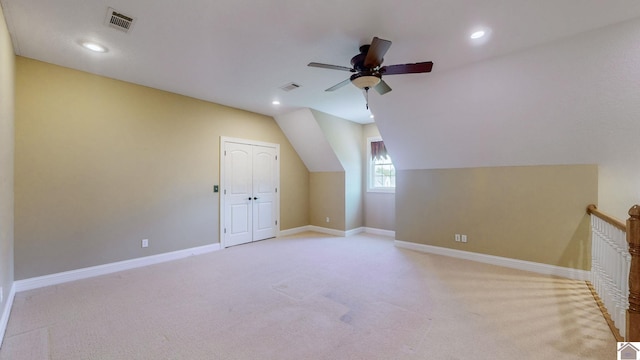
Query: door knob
point(249, 197)
point(255, 198)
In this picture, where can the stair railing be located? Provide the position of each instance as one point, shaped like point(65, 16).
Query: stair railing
point(615, 270)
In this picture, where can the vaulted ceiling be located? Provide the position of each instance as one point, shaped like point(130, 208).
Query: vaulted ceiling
point(240, 53)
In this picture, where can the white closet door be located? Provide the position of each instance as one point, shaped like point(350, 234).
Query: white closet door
point(238, 194)
point(264, 192)
point(249, 205)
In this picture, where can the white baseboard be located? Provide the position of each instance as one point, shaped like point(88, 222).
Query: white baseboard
point(381, 232)
point(313, 228)
point(539, 268)
point(327, 231)
point(354, 231)
point(6, 311)
point(294, 231)
point(334, 232)
point(59, 278)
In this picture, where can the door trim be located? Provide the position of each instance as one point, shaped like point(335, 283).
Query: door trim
point(223, 141)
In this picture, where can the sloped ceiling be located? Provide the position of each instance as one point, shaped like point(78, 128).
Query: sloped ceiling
point(576, 100)
point(239, 53)
point(555, 82)
point(309, 141)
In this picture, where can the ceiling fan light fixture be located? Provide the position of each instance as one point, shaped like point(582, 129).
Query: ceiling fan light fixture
point(363, 81)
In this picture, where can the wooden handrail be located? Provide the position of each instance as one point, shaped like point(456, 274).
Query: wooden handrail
point(633, 238)
point(593, 210)
point(632, 230)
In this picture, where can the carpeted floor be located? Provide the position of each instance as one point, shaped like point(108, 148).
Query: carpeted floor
point(311, 296)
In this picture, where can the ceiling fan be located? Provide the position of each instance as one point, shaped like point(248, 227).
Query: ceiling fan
point(368, 71)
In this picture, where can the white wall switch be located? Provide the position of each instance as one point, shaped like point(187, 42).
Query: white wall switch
point(327, 219)
point(464, 238)
point(145, 243)
point(458, 237)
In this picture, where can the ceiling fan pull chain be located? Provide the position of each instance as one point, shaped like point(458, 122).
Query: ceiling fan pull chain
point(366, 97)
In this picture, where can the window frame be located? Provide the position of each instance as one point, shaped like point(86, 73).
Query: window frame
point(370, 169)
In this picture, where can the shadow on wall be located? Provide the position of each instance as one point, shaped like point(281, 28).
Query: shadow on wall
point(577, 253)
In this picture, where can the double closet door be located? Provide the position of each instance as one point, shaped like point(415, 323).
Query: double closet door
point(250, 182)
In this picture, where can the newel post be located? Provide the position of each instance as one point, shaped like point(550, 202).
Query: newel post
point(633, 238)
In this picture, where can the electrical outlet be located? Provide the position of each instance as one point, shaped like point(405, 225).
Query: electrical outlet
point(458, 237)
point(145, 243)
point(463, 238)
point(328, 220)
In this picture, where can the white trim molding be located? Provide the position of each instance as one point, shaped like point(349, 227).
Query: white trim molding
point(84, 273)
point(381, 232)
point(335, 232)
point(313, 228)
point(323, 230)
point(545, 269)
point(293, 231)
point(6, 311)
point(354, 231)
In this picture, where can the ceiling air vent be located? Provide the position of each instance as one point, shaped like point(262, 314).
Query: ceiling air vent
point(290, 86)
point(119, 20)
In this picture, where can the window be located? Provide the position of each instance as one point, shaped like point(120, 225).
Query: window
point(381, 173)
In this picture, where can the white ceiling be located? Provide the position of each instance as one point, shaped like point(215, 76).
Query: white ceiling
point(238, 53)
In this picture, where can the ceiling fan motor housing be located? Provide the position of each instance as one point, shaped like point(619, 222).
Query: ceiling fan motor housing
point(358, 61)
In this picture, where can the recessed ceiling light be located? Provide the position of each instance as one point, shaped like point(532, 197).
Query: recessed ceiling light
point(477, 34)
point(94, 47)
point(275, 102)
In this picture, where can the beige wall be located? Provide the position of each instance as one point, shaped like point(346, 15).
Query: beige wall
point(327, 199)
point(379, 207)
point(101, 164)
point(6, 159)
point(533, 213)
point(345, 138)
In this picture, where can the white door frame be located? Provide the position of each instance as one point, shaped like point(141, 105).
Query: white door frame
point(226, 139)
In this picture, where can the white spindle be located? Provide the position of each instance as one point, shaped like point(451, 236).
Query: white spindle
point(610, 261)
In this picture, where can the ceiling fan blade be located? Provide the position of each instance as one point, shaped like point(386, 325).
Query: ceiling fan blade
point(339, 85)
point(376, 52)
point(422, 67)
point(382, 87)
point(332, 67)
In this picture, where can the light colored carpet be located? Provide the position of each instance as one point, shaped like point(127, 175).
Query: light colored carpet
point(311, 297)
